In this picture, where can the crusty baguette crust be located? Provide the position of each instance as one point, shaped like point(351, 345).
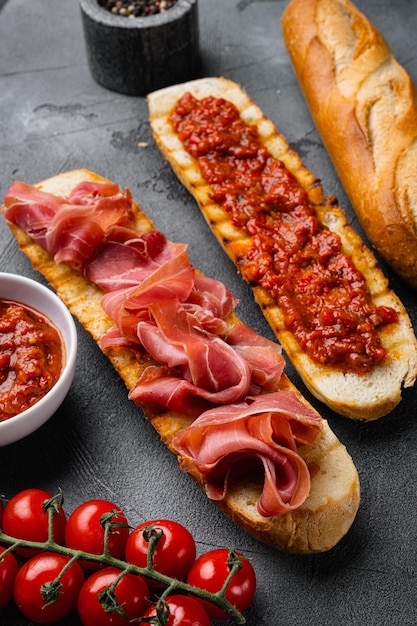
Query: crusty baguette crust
point(364, 105)
point(327, 514)
point(365, 397)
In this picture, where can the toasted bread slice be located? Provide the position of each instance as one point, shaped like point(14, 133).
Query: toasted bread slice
point(329, 511)
point(358, 396)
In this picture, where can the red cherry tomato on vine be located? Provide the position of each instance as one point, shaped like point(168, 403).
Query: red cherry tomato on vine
point(25, 517)
point(183, 611)
point(8, 571)
point(30, 584)
point(1, 511)
point(131, 594)
point(175, 551)
point(85, 531)
point(210, 571)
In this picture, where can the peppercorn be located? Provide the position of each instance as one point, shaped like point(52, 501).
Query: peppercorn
point(136, 8)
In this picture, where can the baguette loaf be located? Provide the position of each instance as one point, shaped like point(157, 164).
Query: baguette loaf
point(364, 105)
point(327, 513)
point(359, 396)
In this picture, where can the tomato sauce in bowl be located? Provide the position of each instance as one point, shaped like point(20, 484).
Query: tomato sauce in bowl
point(32, 356)
point(41, 305)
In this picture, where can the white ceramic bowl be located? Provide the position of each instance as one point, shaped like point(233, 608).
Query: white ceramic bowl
point(34, 294)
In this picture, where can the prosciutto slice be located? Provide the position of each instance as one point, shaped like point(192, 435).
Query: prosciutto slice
point(70, 229)
point(127, 306)
point(165, 387)
point(210, 367)
point(267, 428)
point(212, 296)
point(261, 353)
point(126, 258)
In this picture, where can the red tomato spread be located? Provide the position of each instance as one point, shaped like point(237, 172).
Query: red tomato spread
point(31, 357)
point(293, 256)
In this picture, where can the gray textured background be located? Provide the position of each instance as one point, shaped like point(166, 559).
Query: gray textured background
point(54, 117)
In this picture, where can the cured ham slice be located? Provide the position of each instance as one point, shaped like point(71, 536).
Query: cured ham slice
point(212, 369)
point(31, 209)
point(126, 258)
point(261, 353)
point(163, 386)
point(267, 428)
point(70, 229)
point(213, 296)
point(174, 279)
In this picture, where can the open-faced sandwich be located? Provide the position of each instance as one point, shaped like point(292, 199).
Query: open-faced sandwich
point(214, 390)
point(318, 285)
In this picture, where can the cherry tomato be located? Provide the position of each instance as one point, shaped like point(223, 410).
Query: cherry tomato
point(175, 551)
point(25, 517)
point(38, 572)
point(85, 531)
point(131, 594)
point(210, 571)
point(1, 511)
point(183, 611)
point(8, 570)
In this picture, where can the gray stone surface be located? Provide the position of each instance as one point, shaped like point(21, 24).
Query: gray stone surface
point(54, 117)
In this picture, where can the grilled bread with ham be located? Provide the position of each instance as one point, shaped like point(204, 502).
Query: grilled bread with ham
point(310, 272)
point(364, 105)
point(121, 278)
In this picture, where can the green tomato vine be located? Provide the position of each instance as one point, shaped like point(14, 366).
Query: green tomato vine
point(50, 591)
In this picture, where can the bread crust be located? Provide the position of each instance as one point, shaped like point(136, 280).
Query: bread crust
point(364, 105)
point(329, 511)
point(365, 397)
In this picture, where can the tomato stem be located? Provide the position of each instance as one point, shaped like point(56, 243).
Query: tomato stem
point(52, 507)
point(151, 535)
point(234, 563)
